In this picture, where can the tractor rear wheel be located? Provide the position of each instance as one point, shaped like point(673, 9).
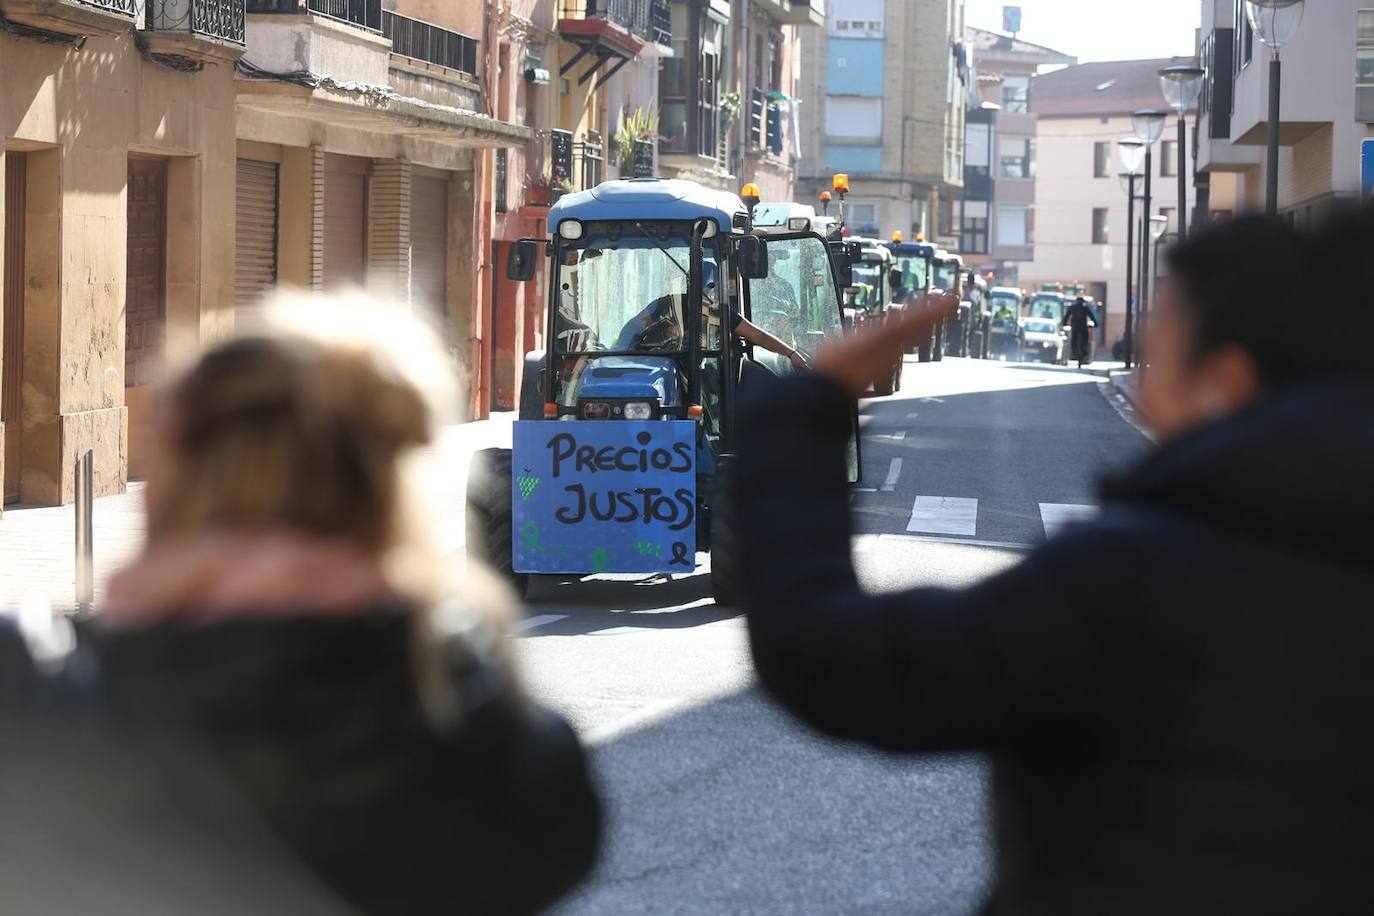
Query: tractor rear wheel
point(490, 519)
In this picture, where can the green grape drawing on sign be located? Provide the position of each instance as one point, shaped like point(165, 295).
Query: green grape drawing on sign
point(527, 486)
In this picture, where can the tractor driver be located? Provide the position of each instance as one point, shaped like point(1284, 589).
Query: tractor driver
point(739, 325)
point(658, 327)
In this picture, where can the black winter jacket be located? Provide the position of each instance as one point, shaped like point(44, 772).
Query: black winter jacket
point(286, 766)
point(1177, 700)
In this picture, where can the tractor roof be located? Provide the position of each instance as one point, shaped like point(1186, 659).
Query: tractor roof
point(648, 199)
point(910, 248)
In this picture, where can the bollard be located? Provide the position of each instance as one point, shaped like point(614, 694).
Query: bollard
point(85, 543)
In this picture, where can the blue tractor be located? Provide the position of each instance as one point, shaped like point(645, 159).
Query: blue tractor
point(915, 262)
point(626, 426)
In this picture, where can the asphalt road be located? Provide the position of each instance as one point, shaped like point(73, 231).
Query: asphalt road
point(717, 802)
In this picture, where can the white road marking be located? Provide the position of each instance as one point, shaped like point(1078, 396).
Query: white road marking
point(863, 490)
point(944, 515)
point(894, 470)
point(912, 416)
point(1054, 516)
point(640, 718)
point(893, 436)
point(966, 542)
point(539, 620)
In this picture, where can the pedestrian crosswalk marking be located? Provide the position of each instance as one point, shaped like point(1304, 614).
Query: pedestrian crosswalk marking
point(894, 471)
point(1055, 516)
point(944, 515)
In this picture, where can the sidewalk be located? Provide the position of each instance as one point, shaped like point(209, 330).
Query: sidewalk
point(37, 545)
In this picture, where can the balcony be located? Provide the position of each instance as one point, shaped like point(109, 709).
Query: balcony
point(549, 164)
point(76, 18)
point(795, 12)
point(612, 32)
point(365, 14)
point(203, 30)
point(591, 160)
point(422, 41)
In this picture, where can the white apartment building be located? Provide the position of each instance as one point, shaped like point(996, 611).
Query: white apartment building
point(1326, 107)
point(1078, 223)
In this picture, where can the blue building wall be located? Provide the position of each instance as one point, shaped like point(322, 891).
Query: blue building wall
point(855, 66)
point(856, 159)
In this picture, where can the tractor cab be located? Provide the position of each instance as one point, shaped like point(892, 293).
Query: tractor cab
point(626, 423)
point(870, 294)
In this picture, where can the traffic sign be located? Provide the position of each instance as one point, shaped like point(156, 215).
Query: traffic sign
point(1366, 167)
point(1011, 19)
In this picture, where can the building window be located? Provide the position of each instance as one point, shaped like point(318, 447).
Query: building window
point(1102, 160)
point(1364, 66)
point(862, 218)
point(501, 170)
point(689, 91)
point(854, 116)
point(1245, 37)
point(1014, 225)
point(1168, 159)
point(1016, 156)
point(973, 227)
point(1016, 93)
point(1100, 225)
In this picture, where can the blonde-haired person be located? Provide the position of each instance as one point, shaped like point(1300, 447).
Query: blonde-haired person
point(291, 622)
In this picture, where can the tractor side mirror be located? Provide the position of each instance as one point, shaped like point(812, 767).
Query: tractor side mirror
point(894, 278)
point(524, 254)
point(844, 269)
point(753, 258)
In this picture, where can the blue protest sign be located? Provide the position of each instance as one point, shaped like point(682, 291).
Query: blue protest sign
point(1366, 167)
point(615, 496)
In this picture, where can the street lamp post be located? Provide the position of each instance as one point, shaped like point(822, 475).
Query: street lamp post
point(1275, 22)
point(1181, 86)
point(1132, 152)
point(1157, 226)
point(1148, 125)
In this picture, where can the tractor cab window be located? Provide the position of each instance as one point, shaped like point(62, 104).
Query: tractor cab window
point(1049, 307)
point(866, 293)
point(947, 275)
point(915, 271)
point(796, 302)
point(1003, 306)
point(622, 292)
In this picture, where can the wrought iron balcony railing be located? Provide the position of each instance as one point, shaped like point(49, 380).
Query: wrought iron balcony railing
point(591, 154)
point(424, 41)
point(221, 20)
point(651, 20)
point(123, 7)
point(549, 166)
point(643, 163)
point(365, 14)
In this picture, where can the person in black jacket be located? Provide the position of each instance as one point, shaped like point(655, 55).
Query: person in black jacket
point(1178, 699)
point(1079, 318)
point(288, 649)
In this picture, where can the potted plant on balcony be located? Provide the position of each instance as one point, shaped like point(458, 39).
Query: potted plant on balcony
point(539, 192)
point(640, 126)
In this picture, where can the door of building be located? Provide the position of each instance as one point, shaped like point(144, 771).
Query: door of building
point(12, 367)
point(429, 244)
point(345, 220)
point(255, 232)
point(145, 304)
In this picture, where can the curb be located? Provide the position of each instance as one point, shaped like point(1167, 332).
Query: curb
point(1123, 380)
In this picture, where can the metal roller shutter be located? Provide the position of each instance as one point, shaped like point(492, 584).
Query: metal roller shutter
point(429, 243)
point(255, 232)
point(345, 222)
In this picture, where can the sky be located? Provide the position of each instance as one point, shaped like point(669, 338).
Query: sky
point(1098, 29)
